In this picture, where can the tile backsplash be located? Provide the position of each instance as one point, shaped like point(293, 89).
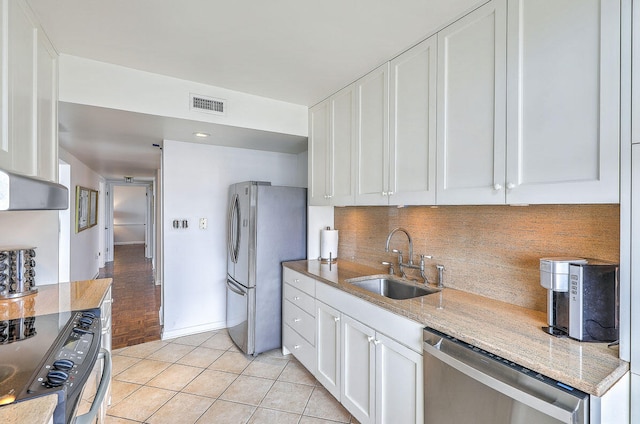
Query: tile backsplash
point(493, 251)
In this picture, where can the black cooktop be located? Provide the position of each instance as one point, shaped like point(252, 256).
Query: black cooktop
point(24, 344)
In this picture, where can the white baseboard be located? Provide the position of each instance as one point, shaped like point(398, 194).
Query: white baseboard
point(166, 335)
point(128, 242)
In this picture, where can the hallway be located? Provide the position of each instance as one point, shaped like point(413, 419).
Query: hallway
point(136, 299)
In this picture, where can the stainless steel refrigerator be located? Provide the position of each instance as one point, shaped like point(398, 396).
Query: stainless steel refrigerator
point(267, 225)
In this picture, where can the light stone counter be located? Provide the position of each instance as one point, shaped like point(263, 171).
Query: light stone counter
point(36, 411)
point(512, 332)
point(49, 299)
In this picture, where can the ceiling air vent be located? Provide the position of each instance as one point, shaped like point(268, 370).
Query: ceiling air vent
point(207, 104)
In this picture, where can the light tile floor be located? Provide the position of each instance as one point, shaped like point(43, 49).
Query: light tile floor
point(204, 379)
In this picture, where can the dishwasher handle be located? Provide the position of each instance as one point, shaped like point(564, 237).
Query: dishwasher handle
point(485, 371)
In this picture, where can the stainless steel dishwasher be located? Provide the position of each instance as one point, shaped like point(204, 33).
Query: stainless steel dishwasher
point(465, 384)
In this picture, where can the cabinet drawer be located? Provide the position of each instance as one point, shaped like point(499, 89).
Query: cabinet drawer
point(300, 321)
point(299, 281)
point(300, 299)
point(299, 347)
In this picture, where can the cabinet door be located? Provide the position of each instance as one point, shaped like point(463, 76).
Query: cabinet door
point(319, 154)
point(564, 96)
point(358, 369)
point(342, 153)
point(372, 180)
point(412, 126)
point(20, 66)
point(399, 385)
point(328, 348)
point(5, 154)
point(471, 108)
point(47, 110)
point(635, 74)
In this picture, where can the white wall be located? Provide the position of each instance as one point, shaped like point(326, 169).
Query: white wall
point(129, 214)
point(196, 178)
point(89, 82)
point(85, 245)
point(37, 229)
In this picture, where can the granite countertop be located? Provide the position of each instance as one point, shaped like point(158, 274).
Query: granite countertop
point(510, 331)
point(49, 299)
point(54, 298)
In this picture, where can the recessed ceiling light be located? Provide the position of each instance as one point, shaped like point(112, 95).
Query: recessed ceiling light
point(201, 134)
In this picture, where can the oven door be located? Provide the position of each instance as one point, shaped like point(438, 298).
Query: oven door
point(96, 388)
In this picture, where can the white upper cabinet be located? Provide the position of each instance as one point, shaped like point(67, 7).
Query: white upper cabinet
point(635, 75)
point(412, 126)
point(471, 107)
point(28, 93)
point(332, 150)
point(372, 138)
point(318, 171)
point(342, 153)
point(396, 130)
point(563, 101)
point(524, 108)
point(19, 142)
point(47, 109)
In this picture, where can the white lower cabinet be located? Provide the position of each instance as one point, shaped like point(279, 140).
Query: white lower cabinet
point(358, 360)
point(328, 348)
point(373, 369)
point(399, 382)
point(105, 316)
point(298, 317)
point(382, 379)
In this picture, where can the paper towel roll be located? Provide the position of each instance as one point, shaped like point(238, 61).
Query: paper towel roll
point(328, 245)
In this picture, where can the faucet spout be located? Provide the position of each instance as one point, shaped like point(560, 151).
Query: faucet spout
point(395, 230)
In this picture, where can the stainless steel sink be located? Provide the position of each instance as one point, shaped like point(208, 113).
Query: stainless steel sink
point(391, 287)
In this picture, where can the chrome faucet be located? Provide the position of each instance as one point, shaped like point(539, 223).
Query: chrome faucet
point(409, 264)
point(395, 230)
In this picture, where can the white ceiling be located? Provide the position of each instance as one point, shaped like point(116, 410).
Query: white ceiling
point(291, 50)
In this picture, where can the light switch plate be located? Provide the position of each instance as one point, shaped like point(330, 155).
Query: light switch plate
point(203, 223)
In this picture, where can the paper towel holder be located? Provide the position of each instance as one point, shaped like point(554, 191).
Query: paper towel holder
point(332, 257)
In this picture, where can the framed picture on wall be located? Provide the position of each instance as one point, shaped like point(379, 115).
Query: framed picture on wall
point(93, 208)
point(86, 208)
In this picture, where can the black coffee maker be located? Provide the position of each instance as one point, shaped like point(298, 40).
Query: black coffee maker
point(583, 299)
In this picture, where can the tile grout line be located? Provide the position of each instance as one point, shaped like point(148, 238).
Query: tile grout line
point(230, 349)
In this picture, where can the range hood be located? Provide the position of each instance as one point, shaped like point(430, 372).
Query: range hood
point(22, 193)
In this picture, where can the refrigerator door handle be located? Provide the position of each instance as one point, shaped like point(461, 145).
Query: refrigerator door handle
point(233, 235)
point(234, 288)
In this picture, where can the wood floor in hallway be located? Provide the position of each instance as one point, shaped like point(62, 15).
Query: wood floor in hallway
point(136, 299)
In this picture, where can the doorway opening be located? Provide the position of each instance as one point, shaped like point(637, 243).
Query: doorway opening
point(129, 246)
